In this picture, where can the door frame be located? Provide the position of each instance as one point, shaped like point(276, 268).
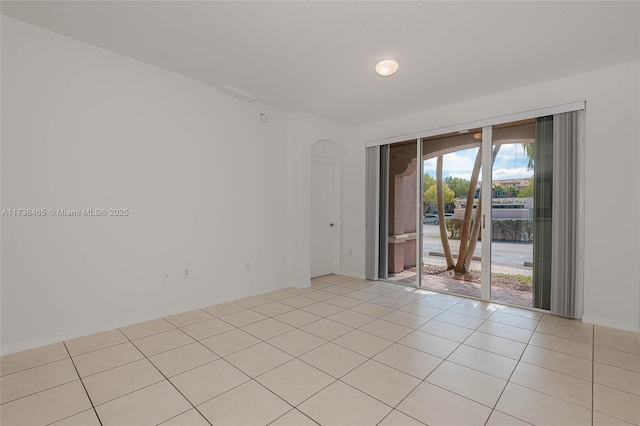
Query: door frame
point(337, 208)
point(486, 212)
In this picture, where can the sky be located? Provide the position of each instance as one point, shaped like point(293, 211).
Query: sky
point(511, 163)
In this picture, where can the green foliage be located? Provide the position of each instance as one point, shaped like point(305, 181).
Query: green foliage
point(454, 226)
point(530, 152)
point(526, 192)
point(512, 230)
point(428, 180)
point(458, 185)
point(501, 229)
point(430, 195)
point(524, 279)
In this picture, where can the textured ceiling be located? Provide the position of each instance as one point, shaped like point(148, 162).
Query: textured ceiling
point(318, 57)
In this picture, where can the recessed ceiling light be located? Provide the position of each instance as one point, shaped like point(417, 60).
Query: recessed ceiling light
point(386, 67)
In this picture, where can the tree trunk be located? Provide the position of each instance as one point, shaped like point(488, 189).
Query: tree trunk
point(443, 229)
point(466, 224)
point(475, 232)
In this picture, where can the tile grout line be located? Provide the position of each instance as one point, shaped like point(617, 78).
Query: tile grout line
point(177, 415)
point(99, 349)
point(374, 318)
point(167, 350)
point(33, 366)
point(412, 390)
point(511, 375)
point(371, 358)
point(254, 378)
point(83, 385)
point(293, 409)
point(619, 350)
point(616, 389)
point(555, 371)
point(430, 319)
point(559, 352)
point(40, 391)
point(457, 347)
point(265, 372)
point(544, 393)
point(297, 357)
point(112, 368)
point(165, 378)
point(401, 412)
point(439, 364)
point(191, 323)
point(293, 308)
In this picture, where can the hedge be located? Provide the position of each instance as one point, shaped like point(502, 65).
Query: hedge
point(501, 229)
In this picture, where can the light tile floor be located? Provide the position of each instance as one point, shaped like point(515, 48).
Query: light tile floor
point(343, 352)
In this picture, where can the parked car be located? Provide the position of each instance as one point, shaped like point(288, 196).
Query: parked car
point(434, 218)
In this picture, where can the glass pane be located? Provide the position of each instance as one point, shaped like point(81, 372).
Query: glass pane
point(451, 246)
point(401, 209)
point(512, 212)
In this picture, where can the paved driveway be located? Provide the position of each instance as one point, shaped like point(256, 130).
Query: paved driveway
point(506, 257)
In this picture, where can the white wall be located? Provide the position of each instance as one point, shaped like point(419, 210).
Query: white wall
point(206, 183)
point(612, 249)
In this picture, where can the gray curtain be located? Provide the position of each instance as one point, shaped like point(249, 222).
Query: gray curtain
point(564, 249)
point(371, 217)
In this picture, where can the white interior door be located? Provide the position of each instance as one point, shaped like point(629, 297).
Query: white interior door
point(323, 226)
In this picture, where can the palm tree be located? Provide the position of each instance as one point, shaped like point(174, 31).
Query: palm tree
point(530, 152)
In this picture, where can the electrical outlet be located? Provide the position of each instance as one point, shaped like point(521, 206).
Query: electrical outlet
point(186, 273)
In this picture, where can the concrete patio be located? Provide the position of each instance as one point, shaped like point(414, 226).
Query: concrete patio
point(466, 288)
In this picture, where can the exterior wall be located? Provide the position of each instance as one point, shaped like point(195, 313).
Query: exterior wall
point(402, 207)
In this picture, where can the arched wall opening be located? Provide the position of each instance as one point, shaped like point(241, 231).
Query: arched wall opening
point(325, 207)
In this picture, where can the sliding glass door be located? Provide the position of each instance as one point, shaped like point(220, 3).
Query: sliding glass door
point(512, 204)
point(469, 212)
point(452, 184)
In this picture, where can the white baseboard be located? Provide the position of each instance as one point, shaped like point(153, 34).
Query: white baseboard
point(35, 342)
point(303, 284)
point(352, 274)
point(620, 325)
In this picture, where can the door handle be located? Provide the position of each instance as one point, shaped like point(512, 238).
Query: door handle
point(482, 221)
point(331, 225)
